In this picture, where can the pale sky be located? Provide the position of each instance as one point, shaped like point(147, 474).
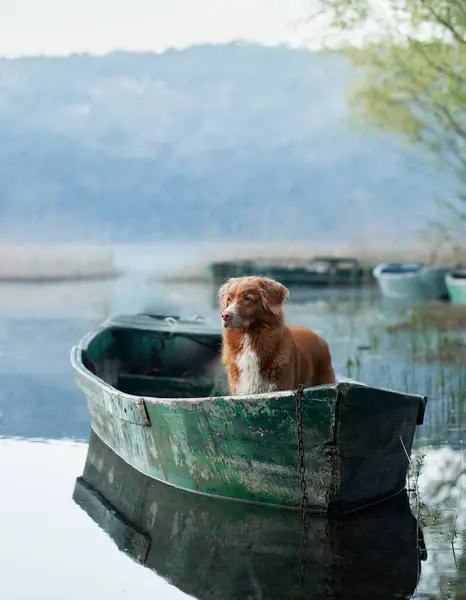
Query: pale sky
point(29, 27)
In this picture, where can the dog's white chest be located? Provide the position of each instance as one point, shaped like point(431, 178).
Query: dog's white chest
point(250, 379)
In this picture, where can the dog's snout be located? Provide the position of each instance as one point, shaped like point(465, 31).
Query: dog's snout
point(226, 316)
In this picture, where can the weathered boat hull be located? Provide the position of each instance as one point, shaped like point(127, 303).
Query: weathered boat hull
point(213, 550)
point(424, 284)
point(456, 286)
point(357, 439)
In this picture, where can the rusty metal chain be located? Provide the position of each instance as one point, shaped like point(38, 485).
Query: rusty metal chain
point(303, 488)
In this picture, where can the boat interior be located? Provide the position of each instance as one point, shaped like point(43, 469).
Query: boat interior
point(400, 268)
point(158, 362)
point(459, 273)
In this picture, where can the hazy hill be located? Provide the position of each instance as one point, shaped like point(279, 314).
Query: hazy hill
point(234, 141)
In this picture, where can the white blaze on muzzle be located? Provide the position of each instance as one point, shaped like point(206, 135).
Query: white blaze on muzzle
point(235, 319)
point(231, 309)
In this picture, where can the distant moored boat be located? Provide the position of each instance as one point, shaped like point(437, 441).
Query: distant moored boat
point(412, 281)
point(456, 285)
point(321, 271)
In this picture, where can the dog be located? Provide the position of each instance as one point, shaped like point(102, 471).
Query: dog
point(261, 354)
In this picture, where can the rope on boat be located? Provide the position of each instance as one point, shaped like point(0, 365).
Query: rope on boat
point(174, 323)
point(171, 322)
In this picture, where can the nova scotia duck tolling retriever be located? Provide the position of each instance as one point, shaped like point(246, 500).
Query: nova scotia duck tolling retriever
point(260, 352)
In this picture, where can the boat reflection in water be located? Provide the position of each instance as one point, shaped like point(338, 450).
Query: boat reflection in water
point(217, 549)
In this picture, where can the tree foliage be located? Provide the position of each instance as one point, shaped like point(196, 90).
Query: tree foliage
point(411, 75)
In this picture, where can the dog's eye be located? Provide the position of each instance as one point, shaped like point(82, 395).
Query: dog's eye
point(228, 300)
point(247, 297)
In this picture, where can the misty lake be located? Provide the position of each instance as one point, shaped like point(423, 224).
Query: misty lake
point(50, 548)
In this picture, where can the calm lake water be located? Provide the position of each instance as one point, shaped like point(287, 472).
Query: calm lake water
point(51, 548)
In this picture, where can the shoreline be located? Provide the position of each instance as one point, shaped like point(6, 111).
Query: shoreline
point(299, 256)
point(58, 278)
point(183, 262)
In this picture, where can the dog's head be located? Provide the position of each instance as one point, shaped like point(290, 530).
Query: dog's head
point(251, 301)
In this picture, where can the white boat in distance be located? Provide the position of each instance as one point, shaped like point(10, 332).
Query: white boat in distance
point(412, 281)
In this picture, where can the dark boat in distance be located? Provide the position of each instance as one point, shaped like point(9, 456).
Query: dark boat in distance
point(213, 550)
point(321, 271)
point(157, 396)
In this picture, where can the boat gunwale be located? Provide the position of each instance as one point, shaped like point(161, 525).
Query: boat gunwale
point(378, 270)
point(147, 322)
point(422, 269)
point(450, 279)
point(76, 359)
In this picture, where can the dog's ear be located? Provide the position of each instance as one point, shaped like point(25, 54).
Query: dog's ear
point(273, 294)
point(223, 295)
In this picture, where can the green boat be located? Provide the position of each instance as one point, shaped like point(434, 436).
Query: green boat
point(212, 550)
point(320, 272)
point(157, 396)
point(456, 285)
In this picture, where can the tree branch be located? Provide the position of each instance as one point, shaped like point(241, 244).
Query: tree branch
point(448, 25)
point(453, 123)
point(436, 66)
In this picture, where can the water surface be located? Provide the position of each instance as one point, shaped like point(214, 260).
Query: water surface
point(50, 548)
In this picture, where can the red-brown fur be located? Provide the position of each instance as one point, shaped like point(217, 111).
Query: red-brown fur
point(287, 356)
